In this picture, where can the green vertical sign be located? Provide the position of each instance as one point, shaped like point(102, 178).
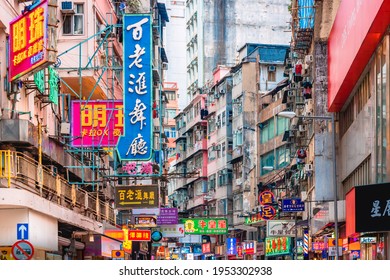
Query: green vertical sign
point(39, 80)
point(53, 86)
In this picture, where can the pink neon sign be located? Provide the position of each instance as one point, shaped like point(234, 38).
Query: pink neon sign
point(96, 123)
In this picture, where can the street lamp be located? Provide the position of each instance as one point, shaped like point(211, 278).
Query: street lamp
point(290, 115)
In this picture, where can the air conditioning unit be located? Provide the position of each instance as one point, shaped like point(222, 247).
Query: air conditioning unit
point(271, 68)
point(65, 128)
point(165, 66)
point(67, 7)
point(301, 134)
point(308, 167)
point(309, 59)
point(239, 181)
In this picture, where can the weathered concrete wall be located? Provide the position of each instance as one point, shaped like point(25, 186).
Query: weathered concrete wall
point(229, 24)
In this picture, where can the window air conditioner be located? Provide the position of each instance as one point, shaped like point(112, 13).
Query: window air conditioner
point(67, 7)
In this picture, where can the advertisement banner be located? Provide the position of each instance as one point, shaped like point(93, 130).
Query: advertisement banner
point(172, 230)
point(293, 205)
point(281, 228)
point(168, 216)
point(138, 196)
point(205, 226)
point(136, 141)
point(29, 41)
point(231, 246)
point(96, 123)
point(275, 246)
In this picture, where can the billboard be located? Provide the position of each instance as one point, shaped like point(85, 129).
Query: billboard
point(136, 142)
point(205, 226)
point(29, 45)
point(137, 196)
point(96, 123)
point(275, 246)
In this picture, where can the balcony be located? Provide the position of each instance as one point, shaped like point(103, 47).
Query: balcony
point(18, 171)
point(196, 201)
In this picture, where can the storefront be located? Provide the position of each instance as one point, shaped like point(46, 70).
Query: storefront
point(368, 220)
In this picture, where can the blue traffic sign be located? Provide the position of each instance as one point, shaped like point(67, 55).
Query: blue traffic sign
point(21, 231)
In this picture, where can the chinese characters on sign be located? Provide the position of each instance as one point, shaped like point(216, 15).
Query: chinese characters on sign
point(96, 123)
point(139, 235)
point(266, 197)
point(136, 143)
point(168, 216)
point(281, 228)
point(28, 41)
point(205, 226)
point(277, 246)
point(231, 246)
point(136, 196)
point(293, 205)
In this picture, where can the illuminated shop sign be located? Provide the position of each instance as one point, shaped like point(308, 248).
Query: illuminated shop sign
point(136, 142)
point(205, 226)
point(266, 197)
point(29, 47)
point(96, 123)
point(136, 196)
point(275, 246)
point(293, 205)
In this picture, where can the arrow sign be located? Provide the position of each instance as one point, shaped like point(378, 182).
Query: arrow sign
point(21, 231)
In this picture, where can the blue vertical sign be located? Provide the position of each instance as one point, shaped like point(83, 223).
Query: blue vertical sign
point(231, 246)
point(137, 139)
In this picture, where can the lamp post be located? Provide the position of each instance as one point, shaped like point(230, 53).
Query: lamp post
point(290, 115)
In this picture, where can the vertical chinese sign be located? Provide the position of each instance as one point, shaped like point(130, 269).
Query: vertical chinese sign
point(96, 123)
point(30, 49)
point(136, 143)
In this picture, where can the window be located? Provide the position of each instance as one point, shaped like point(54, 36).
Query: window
point(282, 125)
point(267, 131)
point(223, 148)
point(171, 95)
point(223, 118)
point(170, 132)
point(74, 24)
point(266, 160)
point(271, 75)
point(170, 113)
point(211, 182)
point(211, 154)
point(237, 138)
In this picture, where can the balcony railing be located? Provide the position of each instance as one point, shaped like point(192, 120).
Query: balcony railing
point(20, 170)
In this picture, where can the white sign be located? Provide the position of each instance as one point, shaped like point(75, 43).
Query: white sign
point(332, 251)
point(281, 228)
point(367, 239)
point(172, 230)
point(190, 256)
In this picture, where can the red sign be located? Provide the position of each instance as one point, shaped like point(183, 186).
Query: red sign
point(318, 246)
point(22, 250)
point(28, 41)
point(358, 27)
point(139, 235)
point(239, 252)
point(206, 248)
point(116, 234)
point(266, 197)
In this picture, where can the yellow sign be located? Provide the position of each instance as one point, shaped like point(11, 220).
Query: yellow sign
point(137, 196)
point(5, 253)
point(118, 254)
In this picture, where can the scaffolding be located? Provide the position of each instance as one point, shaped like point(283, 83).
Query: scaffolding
point(98, 163)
